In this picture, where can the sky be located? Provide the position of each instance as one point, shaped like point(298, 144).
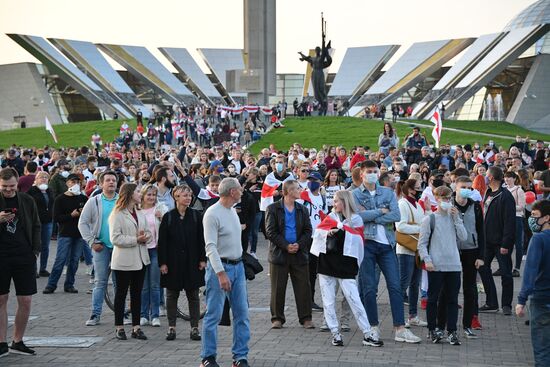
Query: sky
point(219, 24)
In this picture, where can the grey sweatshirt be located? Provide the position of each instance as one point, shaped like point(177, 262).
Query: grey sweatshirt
point(443, 252)
point(222, 235)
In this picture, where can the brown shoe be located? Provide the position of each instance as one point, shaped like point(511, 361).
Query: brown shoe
point(308, 324)
point(276, 324)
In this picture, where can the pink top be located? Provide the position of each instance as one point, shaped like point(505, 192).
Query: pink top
point(152, 225)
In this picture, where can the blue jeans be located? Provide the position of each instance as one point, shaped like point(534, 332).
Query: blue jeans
point(102, 262)
point(68, 251)
point(540, 332)
point(253, 236)
point(215, 299)
point(150, 294)
point(410, 278)
point(45, 237)
point(87, 253)
point(519, 241)
point(384, 256)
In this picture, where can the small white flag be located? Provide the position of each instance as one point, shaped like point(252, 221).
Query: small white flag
point(49, 128)
point(436, 132)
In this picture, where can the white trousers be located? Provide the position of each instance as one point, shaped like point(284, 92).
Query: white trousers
point(351, 293)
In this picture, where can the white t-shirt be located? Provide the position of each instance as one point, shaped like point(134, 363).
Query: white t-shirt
point(331, 191)
point(380, 230)
point(314, 208)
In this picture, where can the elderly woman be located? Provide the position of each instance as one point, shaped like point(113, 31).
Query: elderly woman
point(129, 235)
point(339, 265)
point(182, 259)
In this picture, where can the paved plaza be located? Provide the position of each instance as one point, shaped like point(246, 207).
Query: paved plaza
point(504, 341)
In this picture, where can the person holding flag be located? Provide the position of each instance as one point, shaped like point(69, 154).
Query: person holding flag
point(338, 243)
point(271, 188)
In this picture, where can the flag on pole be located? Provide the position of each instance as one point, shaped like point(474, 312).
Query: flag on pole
point(436, 132)
point(49, 128)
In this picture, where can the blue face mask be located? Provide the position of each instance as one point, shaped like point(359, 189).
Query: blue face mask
point(313, 185)
point(279, 167)
point(466, 193)
point(220, 169)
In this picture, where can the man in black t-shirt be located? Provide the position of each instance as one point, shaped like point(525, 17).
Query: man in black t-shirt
point(19, 247)
point(66, 211)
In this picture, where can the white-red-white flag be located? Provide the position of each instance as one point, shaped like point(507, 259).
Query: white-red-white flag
point(49, 128)
point(270, 185)
point(436, 120)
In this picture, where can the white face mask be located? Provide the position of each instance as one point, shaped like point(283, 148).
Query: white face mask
point(372, 178)
point(445, 206)
point(43, 187)
point(75, 189)
point(64, 174)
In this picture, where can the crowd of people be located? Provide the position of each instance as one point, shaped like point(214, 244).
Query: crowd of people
point(183, 214)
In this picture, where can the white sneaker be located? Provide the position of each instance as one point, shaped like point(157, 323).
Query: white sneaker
point(143, 321)
point(89, 269)
point(375, 332)
point(415, 321)
point(162, 310)
point(406, 336)
point(253, 254)
point(91, 281)
point(155, 322)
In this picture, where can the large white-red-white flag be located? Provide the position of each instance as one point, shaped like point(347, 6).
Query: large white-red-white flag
point(49, 128)
point(353, 240)
point(270, 185)
point(436, 120)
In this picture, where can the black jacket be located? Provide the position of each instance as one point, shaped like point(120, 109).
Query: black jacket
point(44, 210)
point(275, 232)
point(31, 222)
point(181, 248)
point(500, 219)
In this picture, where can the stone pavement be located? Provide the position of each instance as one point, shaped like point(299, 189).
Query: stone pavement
point(504, 341)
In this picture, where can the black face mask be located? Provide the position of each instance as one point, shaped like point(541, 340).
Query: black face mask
point(418, 195)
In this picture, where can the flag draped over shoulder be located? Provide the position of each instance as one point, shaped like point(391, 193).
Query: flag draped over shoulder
point(353, 241)
point(270, 185)
point(436, 132)
point(49, 128)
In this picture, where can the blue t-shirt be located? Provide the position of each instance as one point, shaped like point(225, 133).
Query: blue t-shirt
point(290, 225)
point(107, 207)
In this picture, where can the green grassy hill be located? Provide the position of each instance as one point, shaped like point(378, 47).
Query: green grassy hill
point(350, 131)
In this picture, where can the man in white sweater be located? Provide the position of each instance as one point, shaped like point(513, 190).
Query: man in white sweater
point(225, 275)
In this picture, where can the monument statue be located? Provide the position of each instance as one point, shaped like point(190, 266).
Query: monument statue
point(320, 61)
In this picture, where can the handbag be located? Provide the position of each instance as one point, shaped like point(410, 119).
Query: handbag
point(408, 240)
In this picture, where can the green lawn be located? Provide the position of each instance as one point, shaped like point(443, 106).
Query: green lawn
point(68, 135)
point(350, 131)
point(496, 127)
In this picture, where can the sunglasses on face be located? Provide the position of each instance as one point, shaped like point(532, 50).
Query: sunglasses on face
point(304, 170)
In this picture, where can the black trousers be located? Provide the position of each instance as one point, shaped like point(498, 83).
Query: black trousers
point(469, 289)
point(505, 265)
point(172, 306)
point(313, 261)
point(450, 281)
point(128, 279)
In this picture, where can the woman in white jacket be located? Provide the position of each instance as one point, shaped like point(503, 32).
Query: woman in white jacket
point(412, 214)
point(129, 235)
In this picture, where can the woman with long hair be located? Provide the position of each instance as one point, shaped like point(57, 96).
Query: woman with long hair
point(512, 180)
point(339, 265)
point(412, 214)
point(387, 139)
point(182, 259)
point(332, 185)
point(129, 235)
point(153, 211)
point(331, 160)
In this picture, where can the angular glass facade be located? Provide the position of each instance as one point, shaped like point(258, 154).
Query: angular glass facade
point(534, 14)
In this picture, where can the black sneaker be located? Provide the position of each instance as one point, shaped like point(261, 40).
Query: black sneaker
point(469, 333)
point(337, 340)
point(209, 362)
point(497, 273)
point(120, 334)
point(240, 363)
point(4, 350)
point(171, 334)
point(195, 334)
point(138, 334)
point(316, 307)
point(506, 310)
point(487, 308)
point(372, 340)
point(48, 290)
point(515, 273)
point(44, 273)
point(452, 338)
point(435, 336)
point(71, 290)
point(21, 348)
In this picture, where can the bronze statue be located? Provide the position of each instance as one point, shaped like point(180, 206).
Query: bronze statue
point(318, 62)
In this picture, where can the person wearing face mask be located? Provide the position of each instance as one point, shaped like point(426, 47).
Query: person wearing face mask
point(272, 188)
point(500, 229)
point(44, 199)
point(66, 212)
point(472, 253)
point(536, 282)
point(57, 182)
point(379, 210)
point(91, 165)
point(231, 170)
point(438, 248)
